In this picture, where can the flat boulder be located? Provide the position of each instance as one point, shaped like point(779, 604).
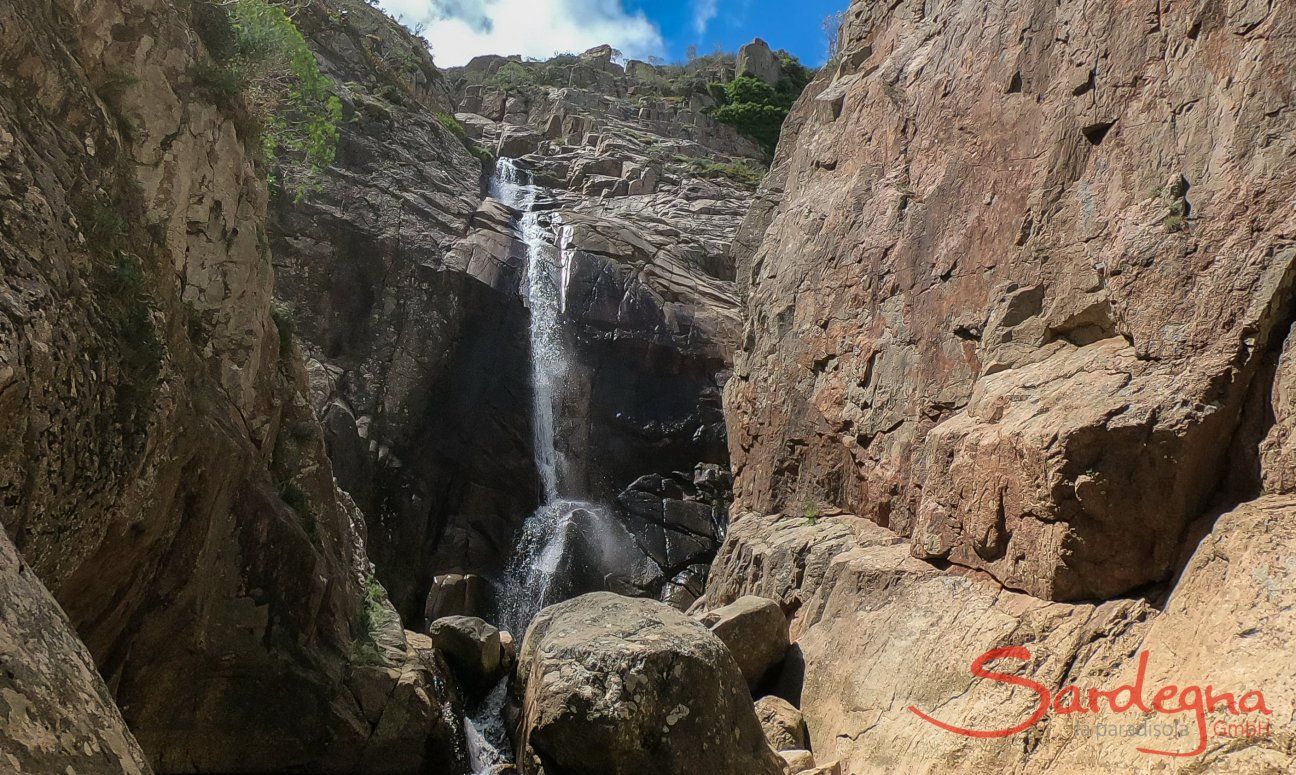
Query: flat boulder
point(756, 632)
point(517, 141)
point(612, 684)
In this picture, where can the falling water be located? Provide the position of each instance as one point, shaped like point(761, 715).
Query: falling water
point(535, 574)
point(549, 363)
point(485, 734)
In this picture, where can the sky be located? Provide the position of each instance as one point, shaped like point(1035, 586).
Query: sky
point(458, 30)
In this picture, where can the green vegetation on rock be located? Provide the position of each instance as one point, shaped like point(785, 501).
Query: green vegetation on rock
point(259, 55)
point(757, 109)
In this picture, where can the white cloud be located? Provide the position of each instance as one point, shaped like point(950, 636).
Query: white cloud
point(703, 12)
point(461, 29)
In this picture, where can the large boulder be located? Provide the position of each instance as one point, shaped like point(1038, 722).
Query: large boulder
point(612, 684)
point(755, 630)
point(883, 632)
point(471, 645)
point(455, 594)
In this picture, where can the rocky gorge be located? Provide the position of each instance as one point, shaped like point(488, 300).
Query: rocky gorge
point(554, 426)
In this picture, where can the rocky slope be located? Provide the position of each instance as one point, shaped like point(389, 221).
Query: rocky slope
point(1019, 297)
point(406, 280)
point(163, 474)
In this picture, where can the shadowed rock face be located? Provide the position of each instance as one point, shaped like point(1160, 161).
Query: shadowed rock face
point(162, 472)
point(1022, 270)
point(59, 715)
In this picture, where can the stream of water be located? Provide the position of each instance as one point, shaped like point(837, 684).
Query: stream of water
point(540, 570)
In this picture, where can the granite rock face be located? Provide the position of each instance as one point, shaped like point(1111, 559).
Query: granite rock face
point(756, 60)
point(162, 473)
point(881, 631)
point(1012, 278)
point(58, 713)
point(618, 685)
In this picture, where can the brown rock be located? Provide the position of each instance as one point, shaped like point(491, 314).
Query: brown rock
point(882, 631)
point(1028, 383)
point(797, 761)
point(472, 646)
point(453, 594)
point(784, 727)
point(755, 631)
point(59, 716)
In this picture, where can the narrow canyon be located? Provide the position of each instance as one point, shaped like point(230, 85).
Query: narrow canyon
point(929, 411)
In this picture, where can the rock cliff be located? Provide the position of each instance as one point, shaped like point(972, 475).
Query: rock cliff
point(1015, 373)
point(1021, 278)
point(162, 471)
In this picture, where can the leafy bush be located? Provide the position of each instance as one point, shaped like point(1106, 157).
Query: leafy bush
point(450, 122)
point(739, 172)
point(364, 630)
point(127, 303)
point(757, 109)
point(286, 324)
point(259, 54)
point(511, 75)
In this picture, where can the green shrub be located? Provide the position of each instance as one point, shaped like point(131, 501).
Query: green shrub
point(511, 75)
point(757, 109)
point(259, 54)
point(370, 619)
point(738, 171)
point(196, 326)
point(811, 511)
point(286, 324)
point(450, 122)
point(484, 154)
point(126, 301)
point(294, 497)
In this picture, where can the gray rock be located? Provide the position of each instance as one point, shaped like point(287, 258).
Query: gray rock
point(472, 647)
point(757, 60)
point(517, 141)
point(601, 674)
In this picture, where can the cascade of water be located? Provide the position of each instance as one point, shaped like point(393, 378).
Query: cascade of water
point(487, 739)
point(534, 577)
point(513, 186)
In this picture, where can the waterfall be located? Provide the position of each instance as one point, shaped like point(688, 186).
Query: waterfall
point(566, 541)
